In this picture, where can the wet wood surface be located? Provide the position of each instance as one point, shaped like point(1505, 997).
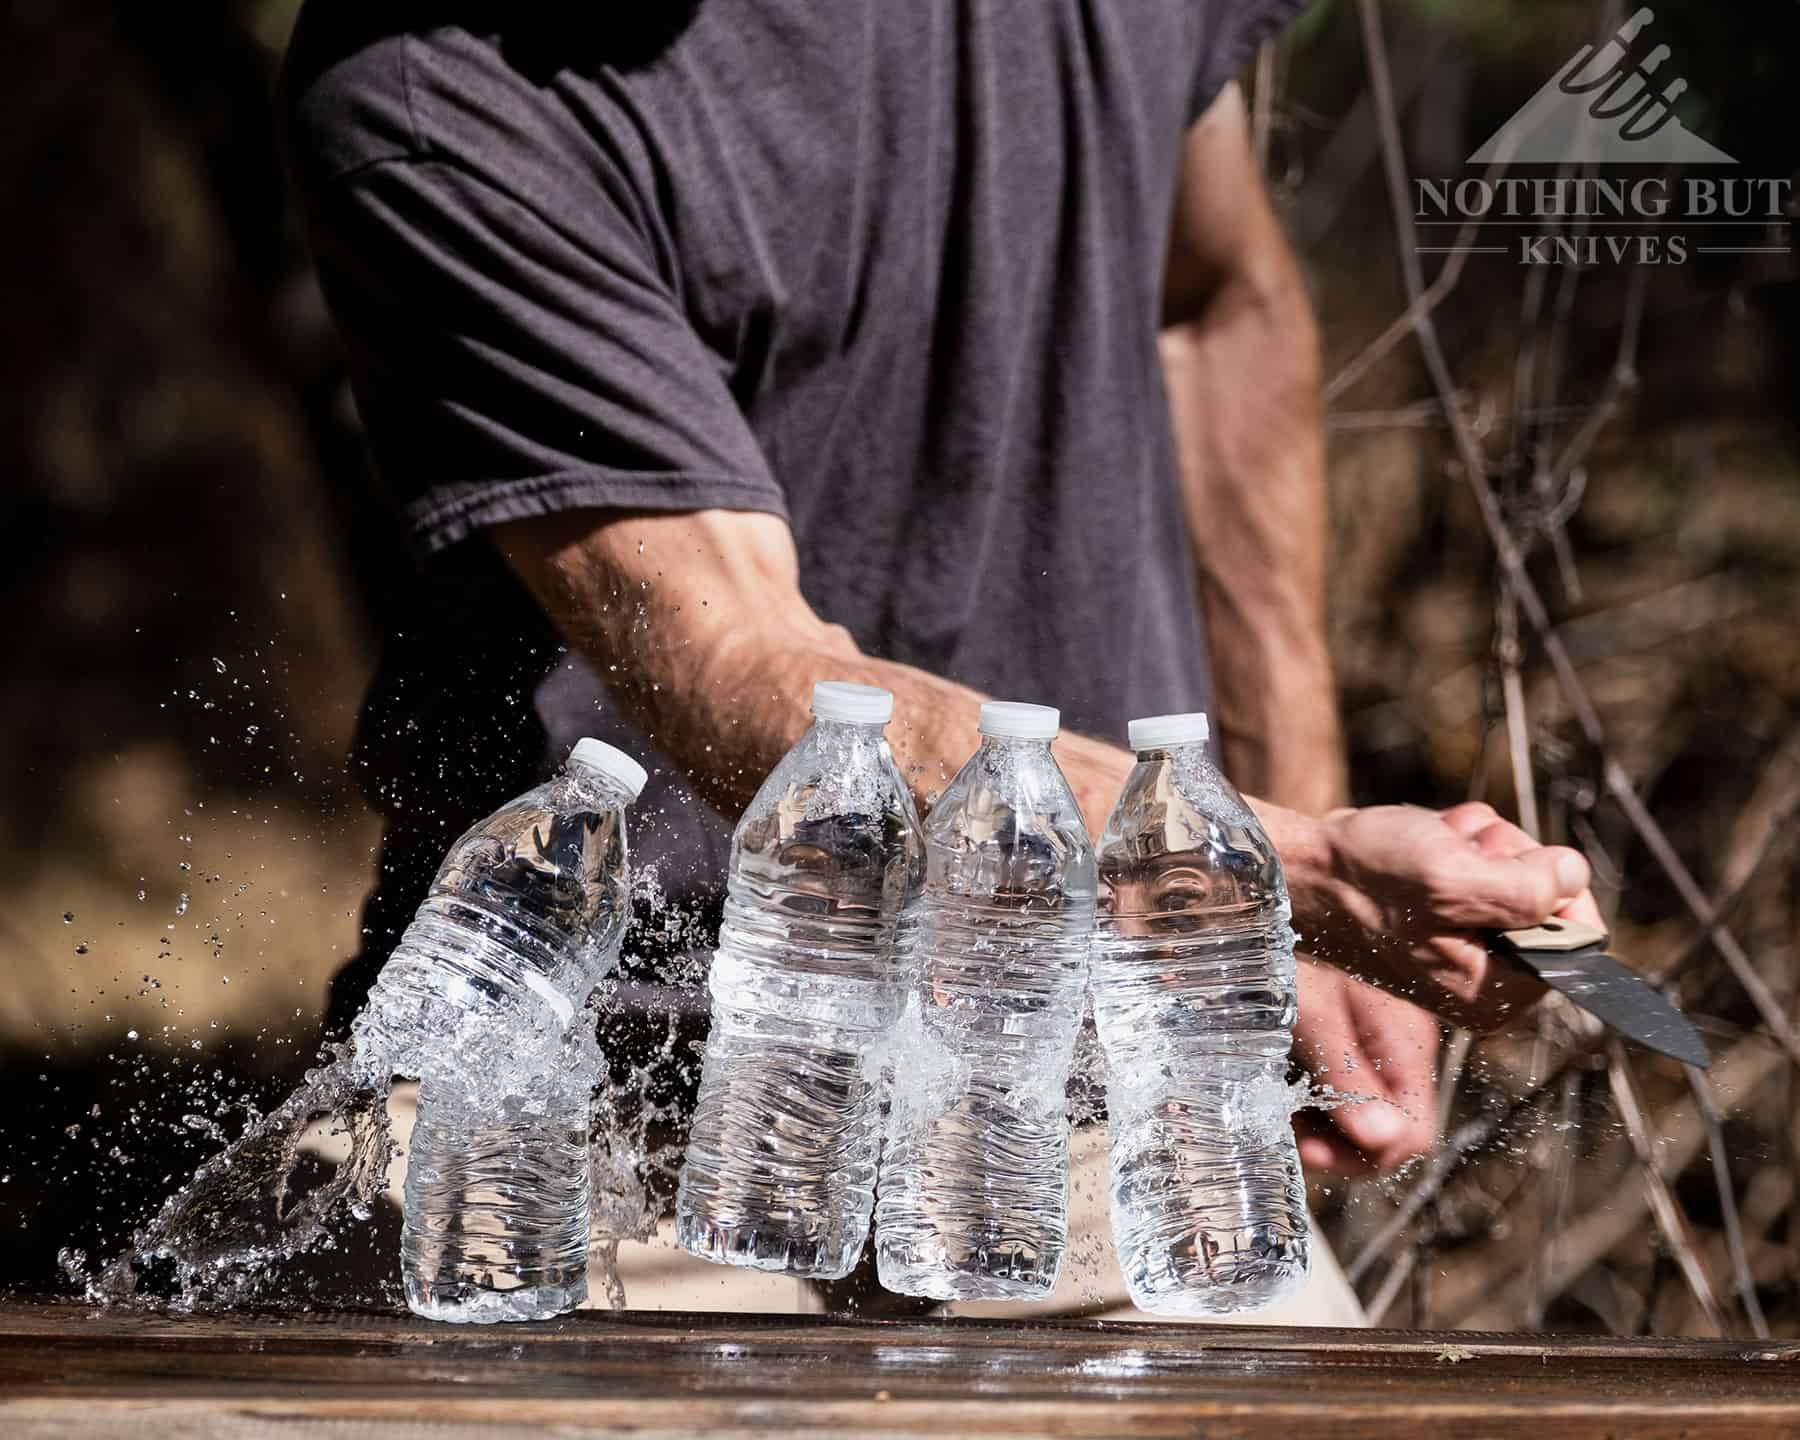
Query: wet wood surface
point(67, 1370)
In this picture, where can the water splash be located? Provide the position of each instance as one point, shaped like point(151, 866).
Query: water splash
point(218, 1237)
point(635, 1148)
point(230, 1231)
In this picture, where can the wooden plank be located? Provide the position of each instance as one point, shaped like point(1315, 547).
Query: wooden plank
point(67, 1370)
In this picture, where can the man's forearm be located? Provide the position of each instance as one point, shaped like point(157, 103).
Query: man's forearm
point(695, 621)
point(933, 731)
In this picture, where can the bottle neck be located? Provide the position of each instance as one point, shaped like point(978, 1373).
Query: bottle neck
point(851, 729)
point(1012, 744)
point(604, 788)
point(1160, 754)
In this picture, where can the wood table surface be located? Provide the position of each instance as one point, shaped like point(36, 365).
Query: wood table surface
point(69, 1370)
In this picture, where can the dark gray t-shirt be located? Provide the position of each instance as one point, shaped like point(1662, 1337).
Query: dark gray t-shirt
point(888, 268)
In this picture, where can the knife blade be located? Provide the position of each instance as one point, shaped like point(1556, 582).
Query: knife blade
point(1572, 959)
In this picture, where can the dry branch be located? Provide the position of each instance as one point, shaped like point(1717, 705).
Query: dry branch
point(1728, 1208)
point(1665, 1209)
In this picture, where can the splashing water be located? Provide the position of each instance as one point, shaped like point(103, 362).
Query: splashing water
point(239, 1215)
point(225, 1234)
point(634, 1151)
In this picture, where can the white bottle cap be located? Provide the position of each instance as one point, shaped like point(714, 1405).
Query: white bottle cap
point(1158, 732)
point(1010, 720)
point(612, 762)
point(856, 704)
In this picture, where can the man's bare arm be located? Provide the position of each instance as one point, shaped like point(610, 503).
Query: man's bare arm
point(698, 623)
point(1240, 353)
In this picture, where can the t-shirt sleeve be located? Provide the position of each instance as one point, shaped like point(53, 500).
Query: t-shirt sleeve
point(507, 363)
point(1230, 31)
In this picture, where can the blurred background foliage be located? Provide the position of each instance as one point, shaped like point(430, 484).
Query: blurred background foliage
point(198, 573)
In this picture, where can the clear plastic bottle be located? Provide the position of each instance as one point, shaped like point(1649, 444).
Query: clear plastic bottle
point(780, 1171)
point(1193, 992)
point(480, 1001)
point(498, 1192)
point(975, 1181)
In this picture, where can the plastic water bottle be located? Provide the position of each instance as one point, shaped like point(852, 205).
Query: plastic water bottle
point(975, 1181)
point(480, 1001)
point(499, 1193)
point(1193, 991)
point(780, 1171)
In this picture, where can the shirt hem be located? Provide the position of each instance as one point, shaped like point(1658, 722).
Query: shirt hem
point(437, 525)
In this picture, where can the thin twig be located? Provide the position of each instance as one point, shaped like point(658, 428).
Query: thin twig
point(1421, 303)
point(1446, 1158)
point(1518, 726)
point(1525, 364)
point(1536, 389)
point(1451, 1151)
point(1398, 1274)
point(1554, 512)
point(1622, 380)
point(1456, 1055)
point(1670, 1219)
point(1421, 415)
point(1557, 1188)
point(1728, 1208)
point(1262, 111)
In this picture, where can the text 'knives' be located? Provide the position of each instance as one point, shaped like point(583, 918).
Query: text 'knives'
point(1571, 958)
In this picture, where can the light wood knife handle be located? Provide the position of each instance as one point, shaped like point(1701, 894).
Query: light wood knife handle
point(1556, 936)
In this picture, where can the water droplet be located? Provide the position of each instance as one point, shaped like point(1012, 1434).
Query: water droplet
point(81, 949)
point(131, 1035)
point(182, 904)
point(68, 917)
point(218, 664)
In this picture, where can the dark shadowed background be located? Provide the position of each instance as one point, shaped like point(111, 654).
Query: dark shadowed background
point(197, 570)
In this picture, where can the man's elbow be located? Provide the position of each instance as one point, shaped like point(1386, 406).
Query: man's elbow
point(1266, 291)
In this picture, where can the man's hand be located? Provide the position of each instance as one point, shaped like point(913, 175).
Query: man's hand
point(1411, 890)
point(1399, 896)
point(1364, 1042)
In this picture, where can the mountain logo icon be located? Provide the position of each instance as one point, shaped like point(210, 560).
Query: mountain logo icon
point(1606, 107)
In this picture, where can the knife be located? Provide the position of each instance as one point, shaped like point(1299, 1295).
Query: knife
point(1571, 958)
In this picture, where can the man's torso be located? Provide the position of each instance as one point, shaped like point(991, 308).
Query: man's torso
point(923, 245)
